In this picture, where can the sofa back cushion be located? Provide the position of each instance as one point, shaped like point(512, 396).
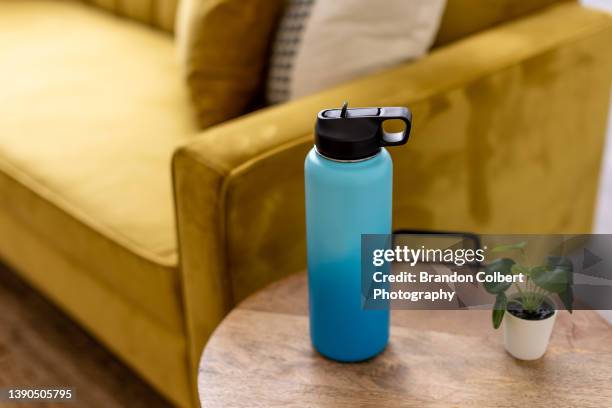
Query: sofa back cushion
point(223, 48)
point(464, 17)
point(158, 13)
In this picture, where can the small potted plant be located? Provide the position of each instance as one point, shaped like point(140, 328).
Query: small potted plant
point(529, 312)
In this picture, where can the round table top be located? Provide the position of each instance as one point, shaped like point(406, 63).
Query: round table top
point(261, 356)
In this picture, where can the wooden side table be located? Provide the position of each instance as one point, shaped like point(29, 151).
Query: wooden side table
point(260, 356)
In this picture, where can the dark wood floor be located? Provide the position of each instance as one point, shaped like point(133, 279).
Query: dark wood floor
point(41, 346)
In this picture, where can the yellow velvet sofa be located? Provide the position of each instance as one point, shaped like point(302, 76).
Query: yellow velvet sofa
point(147, 230)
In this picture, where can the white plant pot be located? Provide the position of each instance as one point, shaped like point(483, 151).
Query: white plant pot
point(527, 339)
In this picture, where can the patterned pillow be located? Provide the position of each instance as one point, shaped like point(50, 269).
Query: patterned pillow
point(320, 44)
point(285, 49)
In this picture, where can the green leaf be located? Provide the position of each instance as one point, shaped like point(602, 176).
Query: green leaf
point(509, 247)
point(503, 266)
point(499, 308)
point(567, 297)
point(560, 262)
point(556, 276)
point(518, 269)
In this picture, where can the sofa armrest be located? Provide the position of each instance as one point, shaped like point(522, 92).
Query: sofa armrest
point(516, 111)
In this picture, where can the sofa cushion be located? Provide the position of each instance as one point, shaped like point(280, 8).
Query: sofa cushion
point(90, 117)
point(223, 46)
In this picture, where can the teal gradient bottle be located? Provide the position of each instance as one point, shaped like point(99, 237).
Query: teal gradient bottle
point(348, 180)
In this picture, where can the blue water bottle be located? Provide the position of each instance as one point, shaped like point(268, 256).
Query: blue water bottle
point(348, 178)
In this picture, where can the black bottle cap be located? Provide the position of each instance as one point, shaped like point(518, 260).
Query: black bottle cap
point(357, 133)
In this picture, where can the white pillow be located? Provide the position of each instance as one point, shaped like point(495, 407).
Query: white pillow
point(345, 39)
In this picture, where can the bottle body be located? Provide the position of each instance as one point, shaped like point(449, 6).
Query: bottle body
point(343, 201)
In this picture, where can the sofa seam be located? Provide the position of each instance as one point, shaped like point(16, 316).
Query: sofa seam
point(223, 175)
point(190, 358)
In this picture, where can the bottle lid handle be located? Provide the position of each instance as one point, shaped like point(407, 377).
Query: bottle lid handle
point(395, 138)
